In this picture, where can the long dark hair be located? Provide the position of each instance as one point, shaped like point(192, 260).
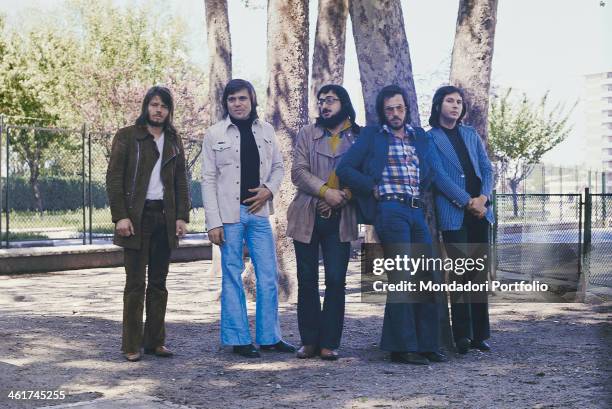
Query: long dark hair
point(436, 104)
point(388, 92)
point(166, 96)
point(236, 85)
point(345, 102)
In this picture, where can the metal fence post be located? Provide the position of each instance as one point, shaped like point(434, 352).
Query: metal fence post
point(89, 186)
point(84, 130)
point(493, 244)
point(603, 199)
point(8, 185)
point(588, 214)
point(1, 192)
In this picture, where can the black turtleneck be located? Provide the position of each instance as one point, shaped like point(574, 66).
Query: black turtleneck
point(249, 158)
point(472, 182)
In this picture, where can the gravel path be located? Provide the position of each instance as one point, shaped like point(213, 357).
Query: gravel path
point(61, 331)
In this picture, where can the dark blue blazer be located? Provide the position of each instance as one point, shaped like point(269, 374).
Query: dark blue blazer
point(362, 166)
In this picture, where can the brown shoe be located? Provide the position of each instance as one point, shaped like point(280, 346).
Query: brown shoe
point(159, 351)
point(307, 351)
point(329, 354)
point(132, 356)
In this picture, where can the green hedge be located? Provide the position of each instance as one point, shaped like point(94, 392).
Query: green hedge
point(56, 193)
point(66, 194)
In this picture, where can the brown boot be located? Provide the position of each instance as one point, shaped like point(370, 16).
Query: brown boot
point(329, 354)
point(132, 356)
point(159, 351)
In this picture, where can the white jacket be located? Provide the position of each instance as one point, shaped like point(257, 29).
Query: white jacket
point(221, 170)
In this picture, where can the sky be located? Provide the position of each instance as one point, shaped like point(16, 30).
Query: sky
point(540, 46)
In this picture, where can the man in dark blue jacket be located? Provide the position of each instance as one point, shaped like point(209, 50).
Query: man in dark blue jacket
point(388, 168)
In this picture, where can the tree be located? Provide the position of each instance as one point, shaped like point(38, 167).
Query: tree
point(286, 107)
point(384, 59)
point(219, 54)
point(35, 78)
point(329, 48)
point(382, 52)
point(219, 74)
point(520, 132)
point(472, 56)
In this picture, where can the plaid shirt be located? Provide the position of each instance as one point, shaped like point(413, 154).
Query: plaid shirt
point(401, 174)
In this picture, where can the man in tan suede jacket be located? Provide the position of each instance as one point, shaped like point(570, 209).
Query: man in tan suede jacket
point(322, 214)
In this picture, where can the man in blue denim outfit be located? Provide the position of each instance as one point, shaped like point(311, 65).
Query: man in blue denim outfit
point(242, 168)
point(387, 169)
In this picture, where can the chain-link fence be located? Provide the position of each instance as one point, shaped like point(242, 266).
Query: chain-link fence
point(538, 236)
point(52, 186)
point(543, 178)
point(598, 239)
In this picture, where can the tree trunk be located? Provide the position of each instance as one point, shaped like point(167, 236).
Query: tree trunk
point(219, 54)
point(34, 173)
point(219, 74)
point(513, 188)
point(382, 52)
point(472, 56)
point(287, 111)
point(329, 51)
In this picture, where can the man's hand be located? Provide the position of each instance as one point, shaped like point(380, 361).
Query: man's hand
point(375, 192)
point(335, 198)
point(476, 206)
point(216, 236)
point(262, 195)
point(124, 228)
point(181, 228)
point(323, 209)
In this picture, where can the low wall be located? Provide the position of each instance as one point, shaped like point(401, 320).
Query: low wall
point(44, 259)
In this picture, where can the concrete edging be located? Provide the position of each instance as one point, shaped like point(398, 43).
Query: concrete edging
point(46, 259)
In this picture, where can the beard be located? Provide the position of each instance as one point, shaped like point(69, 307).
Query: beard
point(333, 120)
point(396, 128)
point(155, 124)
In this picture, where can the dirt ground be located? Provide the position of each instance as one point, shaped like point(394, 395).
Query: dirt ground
point(61, 332)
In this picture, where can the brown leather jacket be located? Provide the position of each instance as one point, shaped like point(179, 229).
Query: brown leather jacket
point(133, 156)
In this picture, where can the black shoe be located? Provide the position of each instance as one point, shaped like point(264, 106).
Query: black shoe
point(481, 345)
point(280, 346)
point(409, 358)
point(463, 345)
point(247, 351)
point(434, 356)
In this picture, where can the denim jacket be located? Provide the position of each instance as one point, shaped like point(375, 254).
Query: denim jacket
point(221, 170)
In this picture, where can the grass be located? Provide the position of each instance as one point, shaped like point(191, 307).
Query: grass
point(23, 236)
point(73, 220)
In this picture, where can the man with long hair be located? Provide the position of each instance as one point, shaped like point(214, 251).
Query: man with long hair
point(388, 169)
point(242, 168)
point(321, 214)
point(463, 211)
point(146, 182)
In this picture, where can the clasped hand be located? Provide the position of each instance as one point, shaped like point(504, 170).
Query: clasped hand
point(476, 206)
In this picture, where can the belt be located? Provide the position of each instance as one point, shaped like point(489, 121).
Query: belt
point(154, 204)
point(411, 201)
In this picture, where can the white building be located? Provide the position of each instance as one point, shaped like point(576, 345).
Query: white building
point(598, 132)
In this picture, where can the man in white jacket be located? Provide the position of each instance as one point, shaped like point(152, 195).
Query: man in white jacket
point(242, 168)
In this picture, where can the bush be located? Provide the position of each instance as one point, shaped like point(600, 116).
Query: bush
point(66, 194)
point(57, 194)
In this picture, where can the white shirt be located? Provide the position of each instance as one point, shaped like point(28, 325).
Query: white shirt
point(155, 191)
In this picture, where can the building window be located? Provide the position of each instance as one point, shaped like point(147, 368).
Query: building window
point(609, 75)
